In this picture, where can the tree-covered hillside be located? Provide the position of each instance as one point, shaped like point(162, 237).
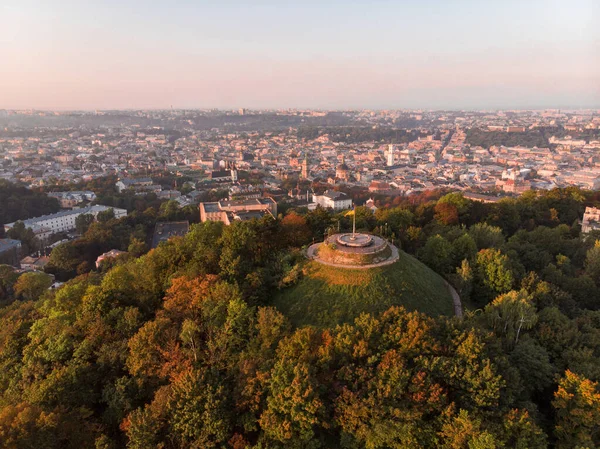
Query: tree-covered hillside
point(182, 347)
point(19, 203)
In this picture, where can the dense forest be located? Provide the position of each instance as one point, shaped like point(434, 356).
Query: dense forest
point(357, 134)
point(132, 233)
point(530, 138)
point(18, 203)
point(182, 347)
point(538, 137)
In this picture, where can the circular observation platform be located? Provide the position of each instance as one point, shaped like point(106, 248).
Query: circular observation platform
point(353, 251)
point(354, 240)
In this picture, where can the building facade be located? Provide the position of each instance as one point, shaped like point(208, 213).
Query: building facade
point(72, 199)
point(229, 211)
point(333, 200)
point(140, 184)
point(390, 155)
point(591, 220)
point(64, 221)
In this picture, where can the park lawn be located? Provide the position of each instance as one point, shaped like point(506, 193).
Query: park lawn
point(327, 296)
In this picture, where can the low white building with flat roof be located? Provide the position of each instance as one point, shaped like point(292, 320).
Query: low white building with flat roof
point(334, 200)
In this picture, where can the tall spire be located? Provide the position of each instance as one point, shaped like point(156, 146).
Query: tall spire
point(305, 166)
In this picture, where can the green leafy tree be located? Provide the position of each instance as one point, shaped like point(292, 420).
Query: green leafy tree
point(319, 220)
point(521, 431)
point(486, 236)
point(147, 427)
point(169, 210)
point(364, 218)
point(19, 203)
point(8, 277)
point(26, 425)
point(592, 262)
point(65, 257)
point(457, 200)
point(493, 274)
point(396, 218)
point(30, 286)
point(465, 431)
point(294, 408)
point(505, 215)
point(534, 365)
point(577, 407)
point(106, 215)
point(463, 280)
point(464, 248)
point(199, 410)
point(28, 239)
point(437, 253)
point(512, 313)
point(83, 222)
point(137, 247)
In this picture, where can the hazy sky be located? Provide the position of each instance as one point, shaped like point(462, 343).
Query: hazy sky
point(101, 54)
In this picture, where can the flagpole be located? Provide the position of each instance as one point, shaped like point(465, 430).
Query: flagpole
point(353, 220)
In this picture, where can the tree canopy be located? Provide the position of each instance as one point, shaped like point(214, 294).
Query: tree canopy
point(182, 346)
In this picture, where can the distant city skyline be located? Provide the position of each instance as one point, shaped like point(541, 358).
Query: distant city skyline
point(307, 55)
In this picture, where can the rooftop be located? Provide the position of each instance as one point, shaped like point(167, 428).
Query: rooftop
point(64, 213)
point(246, 202)
point(131, 181)
point(7, 244)
point(249, 215)
point(335, 195)
point(164, 231)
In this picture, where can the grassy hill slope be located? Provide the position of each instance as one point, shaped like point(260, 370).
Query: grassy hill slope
point(327, 296)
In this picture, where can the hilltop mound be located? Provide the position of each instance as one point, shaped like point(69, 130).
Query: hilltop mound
point(326, 295)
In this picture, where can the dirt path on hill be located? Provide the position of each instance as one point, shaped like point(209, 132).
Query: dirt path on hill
point(458, 311)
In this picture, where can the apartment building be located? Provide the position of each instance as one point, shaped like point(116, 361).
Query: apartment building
point(591, 220)
point(63, 221)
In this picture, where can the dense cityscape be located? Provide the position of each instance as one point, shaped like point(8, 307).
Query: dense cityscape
point(248, 161)
point(300, 225)
point(263, 222)
point(386, 152)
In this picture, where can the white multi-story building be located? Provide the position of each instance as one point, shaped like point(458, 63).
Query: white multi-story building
point(64, 221)
point(390, 155)
point(140, 184)
point(334, 200)
point(591, 220)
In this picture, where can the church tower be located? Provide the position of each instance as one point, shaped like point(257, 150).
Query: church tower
point(390, 155)
point(234, 173)
point(305, 167)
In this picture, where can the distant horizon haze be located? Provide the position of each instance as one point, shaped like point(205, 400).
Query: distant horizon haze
point(330, 55)
point(250, 110)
